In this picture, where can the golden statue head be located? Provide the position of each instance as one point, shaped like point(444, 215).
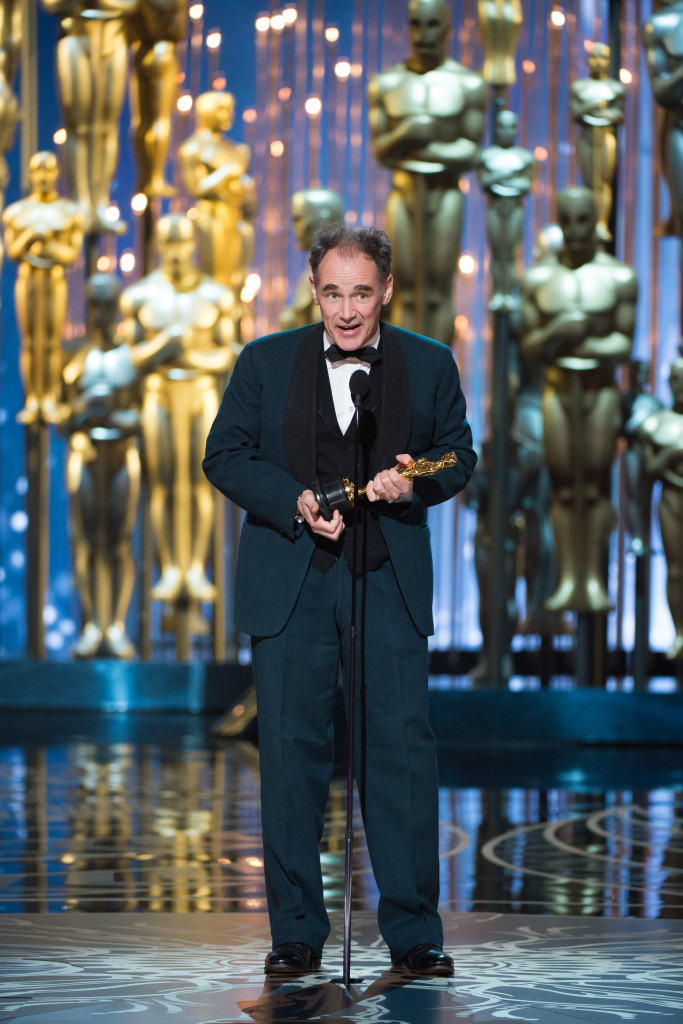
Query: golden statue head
point(43, 171)
point(215, 110)
point(175, 241)
point(429, 25)
point(102, 292)
point(505, 129)
point(312, 208)
point(577, 217)
point(598, 60)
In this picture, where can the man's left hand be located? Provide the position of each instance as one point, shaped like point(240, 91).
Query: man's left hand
point(388, 485)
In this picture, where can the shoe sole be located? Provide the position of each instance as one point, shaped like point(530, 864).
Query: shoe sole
point(291, 972)
point(436, 973)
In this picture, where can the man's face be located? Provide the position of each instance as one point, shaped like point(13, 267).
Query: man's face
point(428, 30)
point(350, 297)
point(577, 220)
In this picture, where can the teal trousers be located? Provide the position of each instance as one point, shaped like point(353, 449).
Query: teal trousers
point(296, 674)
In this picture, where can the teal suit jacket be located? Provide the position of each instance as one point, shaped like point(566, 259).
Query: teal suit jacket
point(261, 453)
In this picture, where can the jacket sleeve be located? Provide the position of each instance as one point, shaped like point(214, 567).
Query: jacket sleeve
point(235, 461)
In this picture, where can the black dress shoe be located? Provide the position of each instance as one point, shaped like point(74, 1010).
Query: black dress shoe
point(426, 959)
point(292, 958)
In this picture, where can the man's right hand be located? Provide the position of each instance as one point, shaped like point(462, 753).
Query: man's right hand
point(308, 508)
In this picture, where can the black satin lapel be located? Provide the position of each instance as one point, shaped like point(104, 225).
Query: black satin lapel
point(298, 427)
point(395, 416)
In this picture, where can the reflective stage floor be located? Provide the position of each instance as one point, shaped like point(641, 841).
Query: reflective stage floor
point(131, 884)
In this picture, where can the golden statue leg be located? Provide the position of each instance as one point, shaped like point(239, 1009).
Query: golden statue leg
point(92, 69)
point(103, 480)
point(75, 89)
point(580, 439)
point(443, 250)
point(153, 95)
point(206, 407)
point(400, 229)
point(29, 353)
point(109, 96)
point(670, 513)
point(125, 488)
point(79, 486)
point(40, 299)
point(156, 429)
point(54, 313)
point(181, 395)
point(225, 243)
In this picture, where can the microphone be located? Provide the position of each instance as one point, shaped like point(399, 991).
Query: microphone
point(338, 493)
point(359, 386)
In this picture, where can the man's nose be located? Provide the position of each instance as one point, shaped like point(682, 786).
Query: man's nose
point(347, 310)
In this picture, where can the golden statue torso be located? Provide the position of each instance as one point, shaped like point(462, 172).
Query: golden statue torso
point(195, 314)
point(507, 171)
point(441, 96)
point(45, 220)
point(588, 295)
point(662, 433)
point(600, 101)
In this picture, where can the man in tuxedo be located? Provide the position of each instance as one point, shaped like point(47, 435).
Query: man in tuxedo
point(286, 418)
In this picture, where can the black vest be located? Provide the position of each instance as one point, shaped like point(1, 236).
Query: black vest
point(335, 455)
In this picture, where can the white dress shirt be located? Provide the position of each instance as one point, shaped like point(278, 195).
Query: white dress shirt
point(340, 374)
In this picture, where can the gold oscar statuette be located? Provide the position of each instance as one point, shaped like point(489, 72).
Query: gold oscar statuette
point(338, 494)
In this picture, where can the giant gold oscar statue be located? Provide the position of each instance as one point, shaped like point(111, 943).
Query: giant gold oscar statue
point(663, 41)
point(11, 35)
point(597, 105)
point(578, 319)
point(102, 389)
point(426, 123)
point(92, 69)
point(311, 208)
point(506, 176)
point(189, 315)
point(9, 115)
point(154, 30)
point(44, 234)
point(499, 24)
point(661, 437)
point(214, 170)
point(103, 473)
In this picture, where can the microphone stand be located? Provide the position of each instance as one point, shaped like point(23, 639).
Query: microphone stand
point(360, 387)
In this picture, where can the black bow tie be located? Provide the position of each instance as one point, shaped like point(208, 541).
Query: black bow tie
point(366, 355)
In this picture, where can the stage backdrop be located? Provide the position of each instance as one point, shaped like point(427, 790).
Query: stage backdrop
point(329, 52)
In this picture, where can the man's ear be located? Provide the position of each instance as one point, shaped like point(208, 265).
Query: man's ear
point(388, 290)
point(314, 291)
